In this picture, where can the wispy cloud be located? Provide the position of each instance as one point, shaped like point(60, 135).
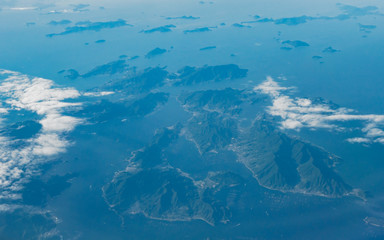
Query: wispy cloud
point(40, 96)
point(98, 94)
point(22, 8)
point(297, 113)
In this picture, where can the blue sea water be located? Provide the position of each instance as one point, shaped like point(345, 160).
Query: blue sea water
point(100, 149)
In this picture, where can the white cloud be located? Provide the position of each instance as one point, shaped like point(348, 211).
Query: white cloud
point(22, 8)
point(380, 140)
point(98, 94)
point(271, 87)
point(297, 113)
point(3, 110)
point(359, 140)
point(8, 207)
point(36, 94)
point(40, 96)
point(49, 144)
point(59, 123)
